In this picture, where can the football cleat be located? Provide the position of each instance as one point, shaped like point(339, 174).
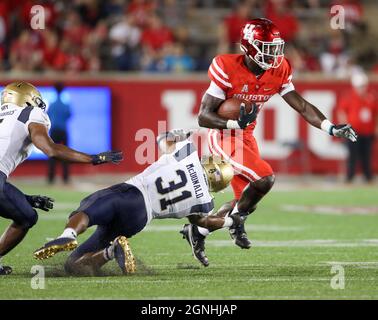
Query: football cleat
point(238, 234)
point(5, 270)
point(197, 243)
point(123, 255)
point(53, 247)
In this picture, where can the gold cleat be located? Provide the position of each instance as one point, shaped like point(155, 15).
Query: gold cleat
point(53, 247)
point(124, 255)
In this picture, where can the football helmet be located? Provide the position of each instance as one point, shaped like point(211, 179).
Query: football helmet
point(261, 42)
point(218, 172)
point(22, 94)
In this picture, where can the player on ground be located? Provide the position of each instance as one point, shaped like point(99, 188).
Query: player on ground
point(254, 76)
point(23, 123)
point(175, 186)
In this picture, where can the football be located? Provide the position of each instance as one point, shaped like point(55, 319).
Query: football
point(230, 108)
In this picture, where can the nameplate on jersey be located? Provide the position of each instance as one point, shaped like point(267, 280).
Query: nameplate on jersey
point(25, 114)
point(184, 152)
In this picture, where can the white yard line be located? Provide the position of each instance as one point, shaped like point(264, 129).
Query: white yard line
point(339, 210)
point(301, 243)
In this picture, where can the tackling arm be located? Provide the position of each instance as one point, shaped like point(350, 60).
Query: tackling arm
point(316, 118)
point(41, 139)
point(214, 222)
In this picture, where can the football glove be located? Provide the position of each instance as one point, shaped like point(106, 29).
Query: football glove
point(245, 119)
point(175, 135)
point(344, 131)
point(107, 157)
point(41, 202)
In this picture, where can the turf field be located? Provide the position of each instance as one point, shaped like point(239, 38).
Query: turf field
point(298, 236)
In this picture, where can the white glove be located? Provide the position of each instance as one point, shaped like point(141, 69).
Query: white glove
point(344, 131)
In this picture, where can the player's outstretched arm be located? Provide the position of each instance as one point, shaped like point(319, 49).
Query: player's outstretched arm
point(214, 222)
point(41, 139)
point(316, 118)
point(166, 141)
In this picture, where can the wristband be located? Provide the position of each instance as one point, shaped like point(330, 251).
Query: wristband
point(232, 124)
point(327, 126)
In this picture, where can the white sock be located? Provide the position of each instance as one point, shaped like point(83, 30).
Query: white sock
point(68, 233)
point(109, 253)
point(205, 232)
point(228, 222)
point(0, 261)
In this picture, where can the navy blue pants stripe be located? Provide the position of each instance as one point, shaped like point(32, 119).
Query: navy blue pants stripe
point(14, 206)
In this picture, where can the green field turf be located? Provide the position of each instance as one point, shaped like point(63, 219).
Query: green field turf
point(295, 246)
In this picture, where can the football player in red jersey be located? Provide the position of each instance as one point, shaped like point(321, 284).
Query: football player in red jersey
point(255, 76)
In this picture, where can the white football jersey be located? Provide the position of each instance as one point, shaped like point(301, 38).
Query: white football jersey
point(15, 143)
point(175, 186)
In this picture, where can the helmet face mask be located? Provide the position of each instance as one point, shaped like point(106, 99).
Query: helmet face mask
point(261, 42)
point(22, 94)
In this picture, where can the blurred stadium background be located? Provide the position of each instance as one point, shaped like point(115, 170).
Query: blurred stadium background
point(127, 65)
point(152, 57)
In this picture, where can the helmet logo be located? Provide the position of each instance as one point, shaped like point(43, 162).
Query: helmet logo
point(248, 32)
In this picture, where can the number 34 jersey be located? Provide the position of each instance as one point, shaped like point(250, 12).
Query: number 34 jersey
point(175, 186)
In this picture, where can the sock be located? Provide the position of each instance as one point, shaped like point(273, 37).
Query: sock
point(109, 253)
point(0, 262)
point(205, 232)
point(69, 233)
point(228, 222)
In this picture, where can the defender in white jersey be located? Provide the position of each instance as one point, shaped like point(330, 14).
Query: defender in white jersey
point(24, 123)
point(178, 185)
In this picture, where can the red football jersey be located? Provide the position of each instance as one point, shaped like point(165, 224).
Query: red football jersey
point(232, 76)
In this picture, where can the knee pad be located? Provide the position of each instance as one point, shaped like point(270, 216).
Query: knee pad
point(28, 221)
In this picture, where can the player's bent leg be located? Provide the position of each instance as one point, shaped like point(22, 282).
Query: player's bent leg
point(89, 257)
point(254, 192)
point(14, 206)
point(77, 224)
point(196, 241)
point(99, 208)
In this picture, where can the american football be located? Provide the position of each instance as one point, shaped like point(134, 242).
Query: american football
point(230, 108)
point(128, 170)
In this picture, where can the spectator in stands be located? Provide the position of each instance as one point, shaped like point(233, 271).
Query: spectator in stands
point(176, 60)
point(360, 108)
point(69, 58)
point(125, 39)
point(173, 12)
point(50, 48)
point(157, 34)
point(280, 12)
point(334, 60)
point(74, 29)
point(60, 114)
point(25, 53)
point(141, 10)
point(229, 32)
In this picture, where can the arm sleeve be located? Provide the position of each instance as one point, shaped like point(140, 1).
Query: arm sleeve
point(37, 115)
point(287, 84)
point(215, 91)
point(218, 74)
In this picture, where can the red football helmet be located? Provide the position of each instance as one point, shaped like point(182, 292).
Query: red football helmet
point(261, 41)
